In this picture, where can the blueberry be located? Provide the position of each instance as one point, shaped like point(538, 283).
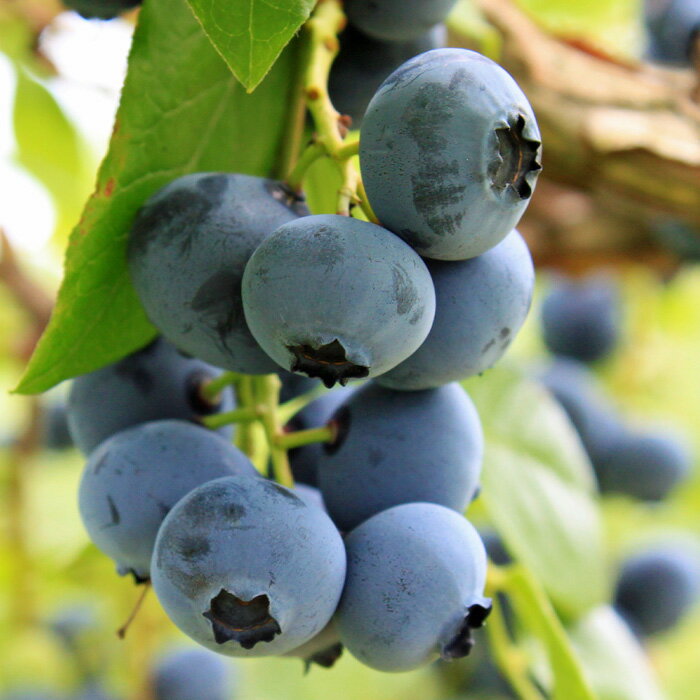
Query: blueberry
point(672, 28)
point(678, 238)
point(244, 567)
point(294, 385)
point(449, 150)
point(656, 587)
point(396, 447)
point(154, 383)
point(337, 298)
point(646, 466)
point(414, 587)
point(596, 422)
point(93, 690)
point(187, 250)
point(134, 478)
point(396, 20)
point(581, 319)
point(193, 674)
point(304, 460)
point(363, 63)
point(71, 623)
point(495, 549)
point(100, 9)
point(310, 495)
point(480, 304)
point(55, 434)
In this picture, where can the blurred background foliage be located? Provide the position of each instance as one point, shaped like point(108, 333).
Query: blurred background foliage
point(53, 132)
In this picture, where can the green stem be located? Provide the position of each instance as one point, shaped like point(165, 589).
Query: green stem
point(348, 150)
point(289, 409)
point(237, 415)
point(273, 429)
point(311, 154)
point(323, 28)
point(245, 398)
point(364, 202)
point(294, 132)
point(298, 438)
point(211, 389)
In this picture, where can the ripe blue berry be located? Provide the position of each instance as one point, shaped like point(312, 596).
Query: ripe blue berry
point(294, 385)
point(672, 27)
point(395, 447)
point(644, 466)
point(193, 674)
point(449, 150)
point(596, 422)
point(363, 63)
point(55, 431)
point(480, 305)
point(304, 460)
point(154, 383)
point(396, 20)
point(414, 587)
point(581, 319)
point(134, 478)
point(244, 567)
point(187, 250)
point(656, 587)
point(337, 298)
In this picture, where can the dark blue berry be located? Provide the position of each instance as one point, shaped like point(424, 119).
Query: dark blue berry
point(480, 305)
point(193, 674)
point(672, 27)
point(396, 20)
point(414, 587)
point(337, 298)
point(100, 9)
point(594, 418)
point(187, 250)
point(246, 568)
point(134, 478)
point(154, 383)
point(647, 466)
point(656, 588)
point(294, 385)
point(304, 460)
point(363, 63)
point(55, 432)
point(396, 447)
point(449, 150)
point(581, 319)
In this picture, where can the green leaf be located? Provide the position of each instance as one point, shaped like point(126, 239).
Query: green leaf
point(49, 147)
point(181, 111)
point(617, 666)
point(537, 488)
point(250, 34)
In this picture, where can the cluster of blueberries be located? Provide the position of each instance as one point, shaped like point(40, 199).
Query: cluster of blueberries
point(580, 324)
point(180, 673)
point(236, 274)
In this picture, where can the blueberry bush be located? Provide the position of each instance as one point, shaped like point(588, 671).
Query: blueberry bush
point(308, 394)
